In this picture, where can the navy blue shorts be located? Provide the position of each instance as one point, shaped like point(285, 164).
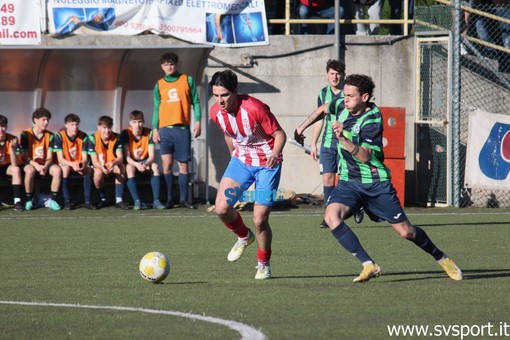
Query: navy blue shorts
point(3, 171)
point(379, 200)
point(328, 160)
point(175, 141)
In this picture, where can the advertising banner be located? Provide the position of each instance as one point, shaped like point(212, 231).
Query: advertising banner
point(221, 23)
point(19, 23)
point(488, 151)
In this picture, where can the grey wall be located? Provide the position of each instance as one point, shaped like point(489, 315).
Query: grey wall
point(98, 75)
point(290, 83)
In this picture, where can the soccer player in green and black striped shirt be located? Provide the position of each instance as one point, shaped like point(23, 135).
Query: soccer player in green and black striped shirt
point(364, 180)
point(335, 75)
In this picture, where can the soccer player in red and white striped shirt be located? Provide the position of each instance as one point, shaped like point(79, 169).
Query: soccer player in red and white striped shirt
point(255, 140)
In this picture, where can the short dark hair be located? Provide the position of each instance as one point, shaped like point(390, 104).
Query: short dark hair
point(72, 118)
point(3, 120)
point(105, 121)
point(364, 83)
point(336, 65)
point(136, 114)
point(41, 112)
point(170, 56)
point(226, 79)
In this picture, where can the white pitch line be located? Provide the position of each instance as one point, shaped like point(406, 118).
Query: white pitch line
point(247, 332)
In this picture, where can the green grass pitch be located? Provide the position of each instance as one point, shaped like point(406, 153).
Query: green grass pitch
point(74, 274)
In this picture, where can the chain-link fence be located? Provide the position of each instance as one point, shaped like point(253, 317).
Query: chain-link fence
point(484, 85)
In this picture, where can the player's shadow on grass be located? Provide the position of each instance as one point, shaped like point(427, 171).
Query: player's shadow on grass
point(475, 274)
point(301, 277)
point(386, 225)
point(182, 283)
point(461, 223)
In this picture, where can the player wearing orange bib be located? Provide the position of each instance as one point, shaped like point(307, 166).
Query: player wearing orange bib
point(36, 145)
point(9, 161)
point(174, 95)
point(71, 147)
point(105, 150)
point(139, 153)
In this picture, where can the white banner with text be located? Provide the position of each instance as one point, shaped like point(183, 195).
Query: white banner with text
point(221, 23)
point(19, 22)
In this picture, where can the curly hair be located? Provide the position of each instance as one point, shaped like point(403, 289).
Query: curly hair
point(364, 83)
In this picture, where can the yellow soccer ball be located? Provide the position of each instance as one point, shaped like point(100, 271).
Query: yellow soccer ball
point(154, 267)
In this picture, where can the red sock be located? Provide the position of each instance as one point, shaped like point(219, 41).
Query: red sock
point(238, 227)
point(263, 256)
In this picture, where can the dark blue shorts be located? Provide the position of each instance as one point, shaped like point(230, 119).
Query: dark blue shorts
point(328, 160)
point(3, 171)
point(266, 181)
point(175, 141)
point(379, 200)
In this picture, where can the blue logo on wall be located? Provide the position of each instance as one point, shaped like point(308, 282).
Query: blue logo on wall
point(494, 158)
point(237, 194)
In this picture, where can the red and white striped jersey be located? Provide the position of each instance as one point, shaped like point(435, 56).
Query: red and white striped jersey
point(251, 127)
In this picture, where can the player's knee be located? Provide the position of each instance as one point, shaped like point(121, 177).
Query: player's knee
point(260, 222)
point(221, 208)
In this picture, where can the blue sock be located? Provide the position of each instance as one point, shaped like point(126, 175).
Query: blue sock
point(155, 185)
point(169, 179)
point(119, 190)
point(183, 186)
point(423, 241)
point(131, 184)
point(87, 187)
point(65, 190)
point(350, 242)
point(327, 192)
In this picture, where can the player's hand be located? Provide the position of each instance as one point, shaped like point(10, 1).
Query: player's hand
point(77, 166)
point(299, 137)
point(313, 152)
point(338, 128)
point(271, 161)
point(155, 136)
point(197, 130)
point(108, 167)
point(141, 167)
point(42, 170)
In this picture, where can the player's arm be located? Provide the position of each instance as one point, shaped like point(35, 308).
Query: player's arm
point(152, 155)
point(316, 132)
point(49, 155)
point(315, 116)
point(60, 154)
point(14, 158)
point(230, 144)
point(362, 153)
point(84, 152)
point(94, 158)
point(119, 156)
point(23, 148)
point(155, 114)
point(279, 142)
point(124, 138)
point(151, 148)
point(197, 110)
